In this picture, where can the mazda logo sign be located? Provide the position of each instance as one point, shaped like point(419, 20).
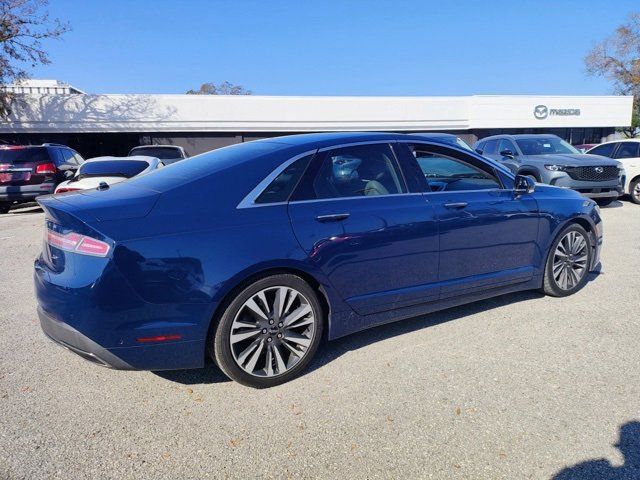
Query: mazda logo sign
point(599, 169)
point(541, 112)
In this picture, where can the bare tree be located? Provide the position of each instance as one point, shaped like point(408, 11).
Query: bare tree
point(24, 24)
point(618, 59)
point(225, 88)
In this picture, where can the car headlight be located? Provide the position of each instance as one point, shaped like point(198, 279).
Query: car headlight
point(555, 168)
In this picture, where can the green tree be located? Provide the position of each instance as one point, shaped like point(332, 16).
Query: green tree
point(224, 88)
point(24, 24)
point(618, 59)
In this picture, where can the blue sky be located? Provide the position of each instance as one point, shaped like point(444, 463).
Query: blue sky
point(275, 47)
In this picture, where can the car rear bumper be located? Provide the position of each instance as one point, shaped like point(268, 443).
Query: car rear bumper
point(25, 193)
point(173, 356)
point(73, 340)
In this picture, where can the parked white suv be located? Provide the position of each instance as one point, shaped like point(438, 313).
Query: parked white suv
point(626, 152)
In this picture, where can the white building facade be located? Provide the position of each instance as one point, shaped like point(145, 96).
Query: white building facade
point(111, 124)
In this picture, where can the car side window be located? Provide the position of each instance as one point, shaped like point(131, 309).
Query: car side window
point(506, 144)
point(628, 150)
point(281, 187)
point(605, 150)
point(56, 155)
point(65, 157)
point(358, 171)
point(490, 148)
point(448, 173)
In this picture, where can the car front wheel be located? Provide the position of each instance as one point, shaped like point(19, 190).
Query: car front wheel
point(269, 332)
point(634, 191)
point(568, 262)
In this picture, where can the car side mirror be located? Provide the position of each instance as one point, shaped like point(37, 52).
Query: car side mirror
point(478, 151)
point(507, 153)
point(523, 185)
point(69, 173)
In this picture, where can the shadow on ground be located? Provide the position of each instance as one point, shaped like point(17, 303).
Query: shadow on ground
point(330, 351)
point(601, 468)
point(25, 209)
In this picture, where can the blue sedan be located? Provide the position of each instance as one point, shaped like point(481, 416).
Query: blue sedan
point(251, 254)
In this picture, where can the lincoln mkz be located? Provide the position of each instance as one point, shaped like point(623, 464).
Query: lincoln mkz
point(253, 253)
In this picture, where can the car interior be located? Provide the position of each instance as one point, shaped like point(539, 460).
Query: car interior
point(357, 172)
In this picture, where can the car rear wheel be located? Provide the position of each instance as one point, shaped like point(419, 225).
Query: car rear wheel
point(568, 262)
point(4, 207)
point(634, 191)
point(268, 332)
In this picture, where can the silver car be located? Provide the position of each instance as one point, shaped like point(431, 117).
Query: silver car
point(549, 159)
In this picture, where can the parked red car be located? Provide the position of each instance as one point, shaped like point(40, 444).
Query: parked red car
point(28, 171)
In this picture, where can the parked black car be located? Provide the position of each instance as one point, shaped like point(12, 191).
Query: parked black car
point(28, 171)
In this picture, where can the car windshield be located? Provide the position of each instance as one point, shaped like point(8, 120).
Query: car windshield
point(24, 155)
point(544, 146)
point(112, 168)
point(163, 153)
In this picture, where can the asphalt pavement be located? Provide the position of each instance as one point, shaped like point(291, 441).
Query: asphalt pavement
point(520, 386)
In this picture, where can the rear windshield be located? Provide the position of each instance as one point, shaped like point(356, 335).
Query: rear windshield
point(162, 153)
point(113, 168)
point(24, 155)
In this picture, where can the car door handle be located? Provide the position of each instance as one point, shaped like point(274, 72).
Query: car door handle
point(456, 205)
point(334, 217)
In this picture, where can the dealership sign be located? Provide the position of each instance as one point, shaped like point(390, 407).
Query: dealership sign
point(542, 111)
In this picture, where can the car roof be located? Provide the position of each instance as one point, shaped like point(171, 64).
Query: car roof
point(157, 146)
point(133, 157)
point(519, 136)
point(326, 139)
point(637, 140)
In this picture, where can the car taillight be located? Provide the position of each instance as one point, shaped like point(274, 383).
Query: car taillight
point(67, 189)
point(74, 242)
point(46, 168)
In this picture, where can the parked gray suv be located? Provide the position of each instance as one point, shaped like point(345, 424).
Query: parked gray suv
point(549, 159)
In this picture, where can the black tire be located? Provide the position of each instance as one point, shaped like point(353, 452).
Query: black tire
point(550, 285)
point(603, 202)
point(219, 344)
point(4, 208)
point(634, 191)
point(531, 175)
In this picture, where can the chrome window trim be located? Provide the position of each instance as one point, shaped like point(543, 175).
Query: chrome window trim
point(356, 197)
point(506, 190)
point(249, 200)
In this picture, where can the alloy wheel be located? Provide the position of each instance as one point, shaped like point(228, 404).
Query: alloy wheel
point(272, 331)
point(636, 192)
point(570, 260)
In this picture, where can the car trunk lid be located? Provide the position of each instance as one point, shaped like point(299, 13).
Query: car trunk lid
point(118, 202)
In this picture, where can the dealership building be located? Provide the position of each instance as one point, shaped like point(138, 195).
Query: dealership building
point(112, 124)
